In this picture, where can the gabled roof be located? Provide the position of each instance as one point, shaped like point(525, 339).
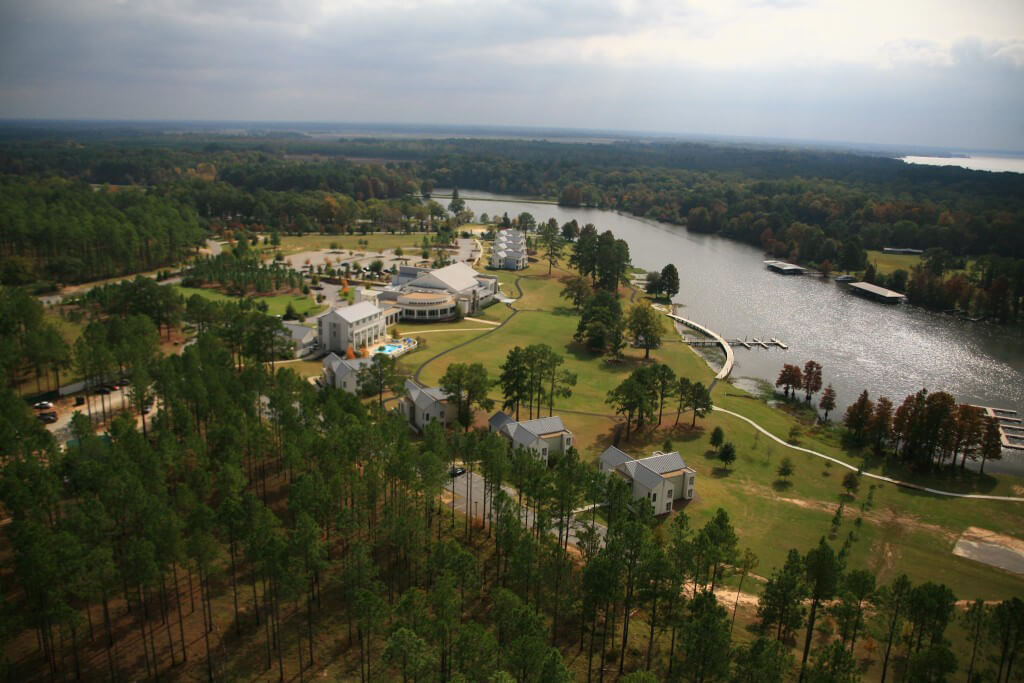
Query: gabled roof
point(343, 366)
point(456, 277)
point(636, 471)
point(424, 397)
point(499, 420)
point(613, 457)
point(356, 312)
point(544, 425)
point(664, 462)
point(526, 433)
point(298, 331)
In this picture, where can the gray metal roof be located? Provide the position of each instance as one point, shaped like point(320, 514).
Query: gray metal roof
point(664, 462)
point(636, 471)
point(544, 425)
point(424, 397)
point(613, 457)
point(499, 420)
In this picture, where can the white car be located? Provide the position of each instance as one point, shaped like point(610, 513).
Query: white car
point(43, 405)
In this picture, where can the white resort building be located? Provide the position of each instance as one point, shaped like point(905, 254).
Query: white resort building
point(423, 295)
point(544, 436)
point(662, 478)
point(359, 325)
point(509, 250)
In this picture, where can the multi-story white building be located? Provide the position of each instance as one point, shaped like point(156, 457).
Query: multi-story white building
point(509, 250)
point(357, 326)
point(423, 295)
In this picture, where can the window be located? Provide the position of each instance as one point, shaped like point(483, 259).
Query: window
point(668, 506)
point(654, 497)
point(669, 494)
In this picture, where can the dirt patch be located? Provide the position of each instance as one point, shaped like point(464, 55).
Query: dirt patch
point(1018, 490)
point(877, 517)
point(989, 547)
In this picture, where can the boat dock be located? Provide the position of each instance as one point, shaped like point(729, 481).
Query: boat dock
point(1011, 427)
point(785, 268)
point(745, 343)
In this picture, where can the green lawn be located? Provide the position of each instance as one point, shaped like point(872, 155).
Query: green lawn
point(276, 305)
point(295, 244)
point(904, 531)
point(886, 263)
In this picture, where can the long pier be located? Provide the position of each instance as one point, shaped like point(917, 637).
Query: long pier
point(1011, 427)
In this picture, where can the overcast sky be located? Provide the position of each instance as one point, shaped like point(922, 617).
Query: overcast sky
point(941, 72)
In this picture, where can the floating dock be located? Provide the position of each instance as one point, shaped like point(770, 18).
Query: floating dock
point(1011, 427)
point(785, 268)
point(745, 343)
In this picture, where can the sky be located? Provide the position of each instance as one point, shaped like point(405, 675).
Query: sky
point(912, 72)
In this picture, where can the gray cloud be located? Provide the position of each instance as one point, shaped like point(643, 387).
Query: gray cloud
point(505, 63)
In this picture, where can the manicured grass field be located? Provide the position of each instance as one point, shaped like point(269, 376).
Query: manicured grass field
point(377, 242)
point(276, 305)
point(886, 263)
point(904, 531)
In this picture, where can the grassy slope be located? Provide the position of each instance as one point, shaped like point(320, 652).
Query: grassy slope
point(903, 532)
point(295, 244)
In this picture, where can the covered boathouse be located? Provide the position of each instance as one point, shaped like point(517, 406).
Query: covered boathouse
point(876, 293)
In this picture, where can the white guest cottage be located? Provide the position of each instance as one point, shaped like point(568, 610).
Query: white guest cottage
point(662, 478)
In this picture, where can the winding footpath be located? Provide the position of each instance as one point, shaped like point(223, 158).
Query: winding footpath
point(879, 477)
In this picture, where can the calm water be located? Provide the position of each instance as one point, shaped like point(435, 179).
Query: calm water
point(977, 162)
point(889, 350)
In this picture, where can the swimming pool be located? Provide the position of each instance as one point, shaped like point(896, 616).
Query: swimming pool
point(396, 349)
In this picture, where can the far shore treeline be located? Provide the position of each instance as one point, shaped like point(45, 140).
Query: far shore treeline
point(819, 207)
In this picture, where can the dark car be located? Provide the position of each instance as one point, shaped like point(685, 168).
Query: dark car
point(103, 390)
point(456, 471)
point(47, 418)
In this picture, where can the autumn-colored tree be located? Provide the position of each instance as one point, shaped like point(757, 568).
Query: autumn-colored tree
point(789, 378)
point(828, 401)
point(811, 379)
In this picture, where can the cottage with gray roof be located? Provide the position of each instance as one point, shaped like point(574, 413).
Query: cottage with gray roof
point(343, 373)
point(303, 338)
point(662, 478)
point(422, 405)
point(544, 436)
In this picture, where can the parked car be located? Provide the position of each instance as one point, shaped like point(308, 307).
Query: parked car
point(456, 471)
point(103, 390)
point(47, 418)
point(43, 405)
point(79, 400)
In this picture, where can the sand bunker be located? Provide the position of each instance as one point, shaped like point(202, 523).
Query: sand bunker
point(998, 550)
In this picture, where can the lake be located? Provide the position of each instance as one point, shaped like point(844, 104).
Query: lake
point(976, 162)
point(888, 350)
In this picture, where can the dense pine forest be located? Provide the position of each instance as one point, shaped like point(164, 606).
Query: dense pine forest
point(235, 522)
point(819, 207)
